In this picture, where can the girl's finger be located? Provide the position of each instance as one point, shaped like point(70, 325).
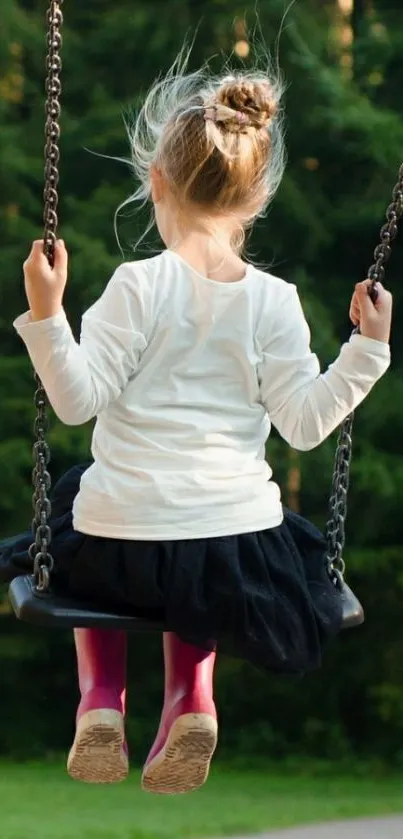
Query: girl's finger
point(374, 291)
point(61, 255)
point(37, 245)
point(355, 313)
point(355, 307)
point(36, 250)
point(369, 284)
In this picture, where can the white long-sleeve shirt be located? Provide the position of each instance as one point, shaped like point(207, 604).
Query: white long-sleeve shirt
point(186, 376)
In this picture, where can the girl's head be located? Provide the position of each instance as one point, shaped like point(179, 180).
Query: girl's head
point(209, 150)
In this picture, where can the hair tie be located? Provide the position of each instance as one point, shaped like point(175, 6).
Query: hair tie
point(242, 118)
point(221, 113)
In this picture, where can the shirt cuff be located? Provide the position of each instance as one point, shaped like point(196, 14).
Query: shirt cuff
point(25, 325)
point(370, 346)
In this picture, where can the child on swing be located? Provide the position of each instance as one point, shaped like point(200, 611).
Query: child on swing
point(187, 360)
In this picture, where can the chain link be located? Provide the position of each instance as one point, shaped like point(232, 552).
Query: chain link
point(335, 528)
point(39, 551)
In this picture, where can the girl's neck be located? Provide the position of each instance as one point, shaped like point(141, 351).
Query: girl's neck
point(210, 255)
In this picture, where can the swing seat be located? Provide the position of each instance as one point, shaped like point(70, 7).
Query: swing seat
point(53, 610)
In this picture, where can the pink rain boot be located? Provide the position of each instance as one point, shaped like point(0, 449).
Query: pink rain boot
point(180, 758)
point(99, 753)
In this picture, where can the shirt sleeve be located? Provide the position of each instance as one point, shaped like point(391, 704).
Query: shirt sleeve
point(304, 405)
point(81, 379)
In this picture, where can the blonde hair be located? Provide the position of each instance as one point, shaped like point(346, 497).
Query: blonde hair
point(217, 140)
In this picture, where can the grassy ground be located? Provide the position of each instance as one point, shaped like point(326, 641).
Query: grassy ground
point(41, 802)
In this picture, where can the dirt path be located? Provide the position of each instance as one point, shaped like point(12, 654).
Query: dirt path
point(388, 828)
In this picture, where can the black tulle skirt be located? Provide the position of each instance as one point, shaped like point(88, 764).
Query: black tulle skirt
point(265, 597)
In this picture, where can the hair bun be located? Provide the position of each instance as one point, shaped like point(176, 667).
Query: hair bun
point(256, 99)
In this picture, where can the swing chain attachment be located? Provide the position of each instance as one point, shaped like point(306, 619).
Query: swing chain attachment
point(335, 528)
point(39, 551)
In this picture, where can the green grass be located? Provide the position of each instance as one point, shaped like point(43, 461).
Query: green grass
point(41, 802)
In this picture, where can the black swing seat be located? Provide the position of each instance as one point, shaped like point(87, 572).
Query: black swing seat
point(54, 610)
point(51, 609)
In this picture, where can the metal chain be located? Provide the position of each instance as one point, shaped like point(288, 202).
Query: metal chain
point(39, 551)
point(335, 528)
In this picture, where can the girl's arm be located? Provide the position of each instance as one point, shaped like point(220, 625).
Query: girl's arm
point(81, 379)
point(304, 405)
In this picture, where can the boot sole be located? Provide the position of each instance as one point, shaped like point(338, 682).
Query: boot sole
point(97, 755)
point(183, 764)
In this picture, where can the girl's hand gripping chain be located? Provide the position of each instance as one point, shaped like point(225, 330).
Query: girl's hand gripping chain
point(372, 317)
point(44, 286)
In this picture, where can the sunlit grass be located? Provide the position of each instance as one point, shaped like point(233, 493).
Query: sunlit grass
point(41, 802)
